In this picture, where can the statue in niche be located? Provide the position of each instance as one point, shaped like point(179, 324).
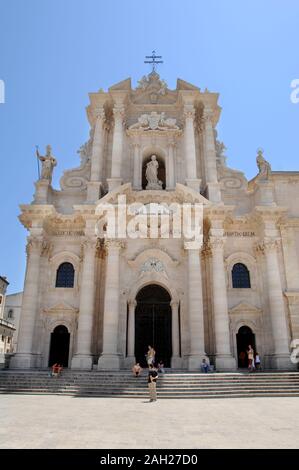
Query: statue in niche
point(48, 163)
point(263, 166)
point(151, 174)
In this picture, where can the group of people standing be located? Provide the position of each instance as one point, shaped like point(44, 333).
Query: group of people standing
point(254, 360)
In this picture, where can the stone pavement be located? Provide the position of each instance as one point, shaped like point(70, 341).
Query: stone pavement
point(53, 422)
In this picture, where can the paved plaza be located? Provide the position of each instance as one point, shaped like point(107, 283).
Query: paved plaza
point(53, 422)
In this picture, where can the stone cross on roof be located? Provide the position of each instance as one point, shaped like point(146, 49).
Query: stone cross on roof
point(154, 62)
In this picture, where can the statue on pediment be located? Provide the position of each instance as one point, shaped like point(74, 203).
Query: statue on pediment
point(48, 163)
point(263, 166)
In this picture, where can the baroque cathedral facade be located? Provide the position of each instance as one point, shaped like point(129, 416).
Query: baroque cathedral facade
point(95, 301)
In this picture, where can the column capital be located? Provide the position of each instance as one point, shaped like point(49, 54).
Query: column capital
point(207, 115)
point(111, 244)
point(189, 111)
point(118, 111)
point(132, 303)
point(34, 245)
point(100, 112)
point(89, 244)
point(216, 244)
point(174, 303)
point(268, 245)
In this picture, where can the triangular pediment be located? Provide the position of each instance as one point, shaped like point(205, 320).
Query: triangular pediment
point(123, 85)
point(245, 307)
point(182, 85)
point(61, 307)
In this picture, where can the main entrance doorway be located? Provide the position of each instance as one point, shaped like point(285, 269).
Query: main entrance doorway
point(153, 324)
point(245, 337)
point(59, 348)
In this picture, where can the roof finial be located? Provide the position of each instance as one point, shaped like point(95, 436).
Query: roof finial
point(154, 62)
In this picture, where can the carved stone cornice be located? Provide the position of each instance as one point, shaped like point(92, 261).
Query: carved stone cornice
point(292, 296)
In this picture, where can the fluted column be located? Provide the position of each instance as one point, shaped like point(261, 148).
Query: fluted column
point(83, 357)
point(224, 358)
point(281, 357)
point(170, 166)
point(24, 358)
point(117, 148)
point(190, 149)
point(175, 338)
point(196, 322)
point(110, 357)
point(136, 166)
point(213, 187)
point(131, 330)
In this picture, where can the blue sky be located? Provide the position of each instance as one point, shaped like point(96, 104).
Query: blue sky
point(53, 52)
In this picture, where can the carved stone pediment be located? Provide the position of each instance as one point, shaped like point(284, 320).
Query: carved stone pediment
point(152, 90)
point(244, 307)
point(61, 307)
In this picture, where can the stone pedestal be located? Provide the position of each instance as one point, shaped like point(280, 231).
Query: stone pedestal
point(42, 192)
point(93, 191)
point(113, 183)
point(264, 195)
point(194, 184)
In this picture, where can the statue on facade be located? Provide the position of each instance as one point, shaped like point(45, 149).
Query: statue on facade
point(48, 163)
point(151, 174)
point(263, 166)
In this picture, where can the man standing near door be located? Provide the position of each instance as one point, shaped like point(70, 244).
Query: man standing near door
point(152, 383)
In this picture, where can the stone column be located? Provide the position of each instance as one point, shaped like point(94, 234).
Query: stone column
point(110, 357)
point(175, 338)
point(25, 358)
point(281, 357)
point(213, 187)
point(83, 357)
point(117, 148)
point(196, 322)
point(93, 188)
point(190, 150)
point(131, 331)
point(136, 166)
point(224, 358)
point(170, 166)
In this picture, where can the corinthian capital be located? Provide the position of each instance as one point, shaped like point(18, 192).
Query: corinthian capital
point(113, 244)
point(89, 244)
point(207, 116)
point(100, 113)
point(119, 112)
point(34, 246)
point(189, 111)
point(268, 245)
point(216, 244)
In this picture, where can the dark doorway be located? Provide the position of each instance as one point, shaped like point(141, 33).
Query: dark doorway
point(59, 347)
point(153, 324)
point(161, 171)
point(245, 337)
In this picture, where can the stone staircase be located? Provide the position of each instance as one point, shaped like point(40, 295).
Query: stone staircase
point(170, 385)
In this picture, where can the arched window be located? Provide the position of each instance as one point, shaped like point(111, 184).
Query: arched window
point(65, 275)
point(240, 276)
